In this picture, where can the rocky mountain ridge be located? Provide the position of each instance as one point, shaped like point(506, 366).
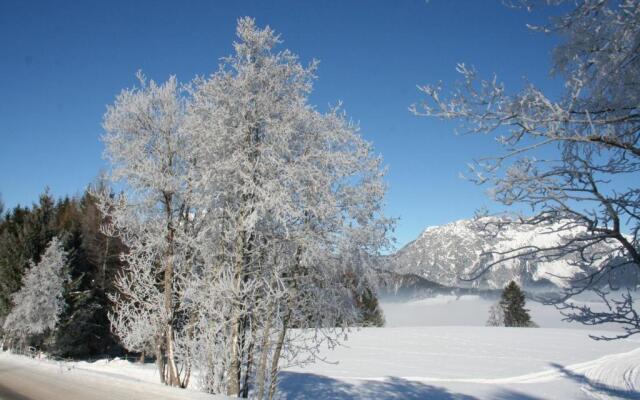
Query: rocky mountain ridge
point(451, 254)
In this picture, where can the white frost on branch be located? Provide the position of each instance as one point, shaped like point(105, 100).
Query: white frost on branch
point(151, 153)
point(38, 304)
point(247, 214)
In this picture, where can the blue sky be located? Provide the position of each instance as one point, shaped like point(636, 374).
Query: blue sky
point(62, 62)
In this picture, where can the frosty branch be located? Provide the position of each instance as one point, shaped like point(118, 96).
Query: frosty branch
point(252, 220)
point(572, 160)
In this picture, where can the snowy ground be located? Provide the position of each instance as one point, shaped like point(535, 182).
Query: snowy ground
point(471, 362)
point(439, 348)
point(435, 348)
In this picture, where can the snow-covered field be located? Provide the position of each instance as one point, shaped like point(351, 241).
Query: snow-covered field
point(471, 362)
point(439, 348)
point(434, 348)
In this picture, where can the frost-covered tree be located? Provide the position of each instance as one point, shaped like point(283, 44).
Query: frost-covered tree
point(293, 207)
point(573, 159)
point(496, 315)
point(39, 302)
point(151, 155)
point(246, 213)
point(25, 233)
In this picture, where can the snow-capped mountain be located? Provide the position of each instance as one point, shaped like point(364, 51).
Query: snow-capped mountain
point(446, 254)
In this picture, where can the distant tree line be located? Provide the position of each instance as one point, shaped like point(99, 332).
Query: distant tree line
point(92, 265)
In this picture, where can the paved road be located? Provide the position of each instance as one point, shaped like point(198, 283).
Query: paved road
point(26, 380)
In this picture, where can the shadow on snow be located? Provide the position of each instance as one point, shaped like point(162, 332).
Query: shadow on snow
point(595, 386)
point(294, 385)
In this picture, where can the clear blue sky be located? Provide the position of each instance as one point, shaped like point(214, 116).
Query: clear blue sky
point(62, 62)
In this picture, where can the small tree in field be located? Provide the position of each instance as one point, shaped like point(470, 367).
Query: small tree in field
point(38, 304)
point(370, 312)
point(512, 304)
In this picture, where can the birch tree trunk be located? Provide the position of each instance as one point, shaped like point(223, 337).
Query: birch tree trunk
point(173, 377)
point(264, 354)
point(233, 380)
point(160, 361)
point(273, 384)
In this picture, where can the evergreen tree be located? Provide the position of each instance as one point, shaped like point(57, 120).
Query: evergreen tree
point(24, 235)
point(370, 311)
point(93, 263)
point(39, 303)
point(84, 329)
point(512, 304)
point(365, 301)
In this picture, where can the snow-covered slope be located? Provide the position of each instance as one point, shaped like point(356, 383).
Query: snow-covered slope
point(446, 253)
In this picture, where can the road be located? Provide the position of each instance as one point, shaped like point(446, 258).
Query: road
point(25, 379)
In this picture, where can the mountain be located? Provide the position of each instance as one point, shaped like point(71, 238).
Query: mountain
point(445, 254)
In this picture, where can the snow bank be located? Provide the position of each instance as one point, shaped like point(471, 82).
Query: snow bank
point(115, 379)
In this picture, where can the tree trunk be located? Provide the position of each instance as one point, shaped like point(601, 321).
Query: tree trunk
point(160, 361)
point(173, 378)
point(276, 356)
point(285, 324)
point(172, 373)
point(264, 354)
point(187, 376)
point(243, 253)
point(247, 374)
point(103, 274)
point(233, 382)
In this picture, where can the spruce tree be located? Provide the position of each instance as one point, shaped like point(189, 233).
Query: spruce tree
point(370, 311)
point(512, 304)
